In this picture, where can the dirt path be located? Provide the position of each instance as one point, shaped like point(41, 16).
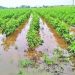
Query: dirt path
point(12, 50)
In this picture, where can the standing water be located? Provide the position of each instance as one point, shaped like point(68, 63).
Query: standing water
point(12, 49)
point(49, 40)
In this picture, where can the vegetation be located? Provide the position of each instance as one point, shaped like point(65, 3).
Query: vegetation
point(10, 19)
point(25, 63)
point(47, 59)
point(61, 19)
point(33, 36)
point(58, 17)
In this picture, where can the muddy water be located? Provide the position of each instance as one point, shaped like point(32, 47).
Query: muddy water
point(61, 66)
point(36, 55)
point(12, 49)
point(51, 42)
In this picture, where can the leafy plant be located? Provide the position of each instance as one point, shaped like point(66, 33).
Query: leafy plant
point(47, 59)
point(61, 19)
point(72, 47)
point(33, 36)
point(25, 62)
point(10, 19)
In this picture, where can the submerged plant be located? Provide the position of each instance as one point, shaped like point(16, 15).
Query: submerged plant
point(47, 59)
point(61, 55)
point(25, 62)
point(21, 72)
point(58, 53)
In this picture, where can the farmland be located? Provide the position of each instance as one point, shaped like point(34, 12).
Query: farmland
point(10, 19)
point(38, 37)
point(62, 20)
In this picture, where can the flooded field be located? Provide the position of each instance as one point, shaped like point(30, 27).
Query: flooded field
point(63, 64)
point(15, 48)
point(52, 43)
point(12, 49)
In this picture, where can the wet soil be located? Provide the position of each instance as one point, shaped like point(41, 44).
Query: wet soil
point(59, 39)
point(11, 39)
point(33, 55)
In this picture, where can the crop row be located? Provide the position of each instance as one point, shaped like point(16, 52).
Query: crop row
point(61, 26)
point(33, 36)
point(10, 19)
point(65, 14)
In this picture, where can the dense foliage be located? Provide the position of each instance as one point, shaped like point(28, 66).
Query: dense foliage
point(10, 19)
point(33, 36)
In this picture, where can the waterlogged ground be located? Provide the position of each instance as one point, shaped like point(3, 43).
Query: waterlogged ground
point(63, 65)
point(15, 48)
point(12, 49)
point(49, 40)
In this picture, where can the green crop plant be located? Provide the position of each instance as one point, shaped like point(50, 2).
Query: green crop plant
point(25, 63)
point(72, 47)
point(33, 36)
point(10, 19)
point(47, 59)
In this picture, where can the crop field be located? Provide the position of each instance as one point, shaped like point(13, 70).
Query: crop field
point(62, 20)
point(37, 41)
point(10, 19)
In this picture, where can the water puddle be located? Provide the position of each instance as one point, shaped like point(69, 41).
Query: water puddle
point(49, 40)
point(12, 49)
